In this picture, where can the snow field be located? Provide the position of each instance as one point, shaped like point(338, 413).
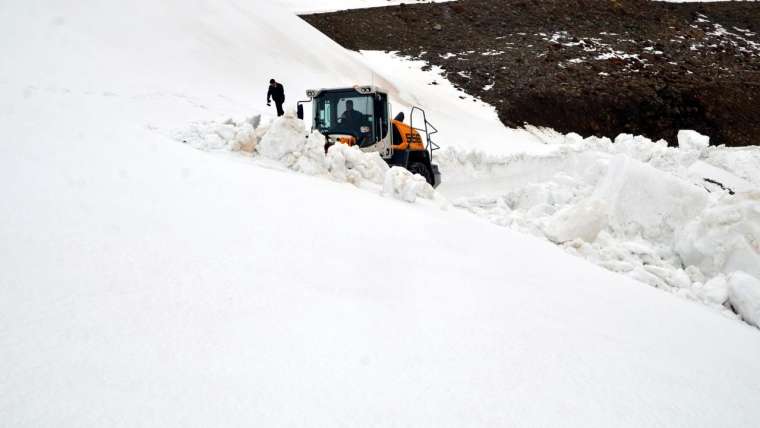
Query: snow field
point(145, 283)
point(634, 206)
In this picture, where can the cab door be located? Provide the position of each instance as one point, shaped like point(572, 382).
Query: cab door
point(383, 126)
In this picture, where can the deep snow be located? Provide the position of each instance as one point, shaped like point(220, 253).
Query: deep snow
point(146, 283)
point(659, 215)
point(634, 207)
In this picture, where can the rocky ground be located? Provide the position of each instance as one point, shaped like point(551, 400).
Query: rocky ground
point(588, 66)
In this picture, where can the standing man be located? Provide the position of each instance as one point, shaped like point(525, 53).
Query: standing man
point(276, 93)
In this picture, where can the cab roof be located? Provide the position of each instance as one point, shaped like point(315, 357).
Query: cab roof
point(363, 90)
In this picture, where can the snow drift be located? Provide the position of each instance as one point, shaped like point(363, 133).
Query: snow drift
point(286, 141)
point(668, 217)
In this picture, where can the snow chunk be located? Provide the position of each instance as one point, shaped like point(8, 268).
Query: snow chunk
point(402, 184)
point(744, 294)
point(349, 163)
point(715, 291)
point(644, 200)
point(725, 238)
point(582, 221)
point(245, 139)
point(692, 141)
point(286, 141)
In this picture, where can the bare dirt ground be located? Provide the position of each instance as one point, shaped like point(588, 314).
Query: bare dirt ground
point(588, 66)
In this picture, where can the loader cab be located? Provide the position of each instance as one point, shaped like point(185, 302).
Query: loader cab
point(354, 116)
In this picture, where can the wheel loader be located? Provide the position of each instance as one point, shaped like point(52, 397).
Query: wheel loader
point(361, 116)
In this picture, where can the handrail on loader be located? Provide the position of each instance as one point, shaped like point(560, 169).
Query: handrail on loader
point(431, 146)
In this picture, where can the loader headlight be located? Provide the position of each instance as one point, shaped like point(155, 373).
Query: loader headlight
point(311, 93)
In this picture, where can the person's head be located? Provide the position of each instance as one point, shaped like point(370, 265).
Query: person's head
point(272, 82)
point(349, 105)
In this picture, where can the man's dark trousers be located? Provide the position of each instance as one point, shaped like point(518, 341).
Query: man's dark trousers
point(280, 111)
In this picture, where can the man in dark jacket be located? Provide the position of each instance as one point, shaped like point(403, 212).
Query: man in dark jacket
point(351, 118)
point(277, 93)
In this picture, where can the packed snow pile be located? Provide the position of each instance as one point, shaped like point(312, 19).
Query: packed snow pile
point(678, 219)
point(240, 135)
point(287, 142)
point(402, 184)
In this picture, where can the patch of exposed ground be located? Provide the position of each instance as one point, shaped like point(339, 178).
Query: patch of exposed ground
point(588, 66)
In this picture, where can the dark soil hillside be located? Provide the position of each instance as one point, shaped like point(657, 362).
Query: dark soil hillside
point(588, 66)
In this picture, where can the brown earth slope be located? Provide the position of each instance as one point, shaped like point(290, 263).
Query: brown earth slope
point(588, 66)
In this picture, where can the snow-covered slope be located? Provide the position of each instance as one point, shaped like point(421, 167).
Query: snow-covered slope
point(99, 48)
point(144, 283)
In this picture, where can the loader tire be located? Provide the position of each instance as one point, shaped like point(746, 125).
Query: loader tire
point(423, 170)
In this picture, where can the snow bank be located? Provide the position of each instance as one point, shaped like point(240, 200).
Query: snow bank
point(287, 142)
point(229, 135)
point(678, 219)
